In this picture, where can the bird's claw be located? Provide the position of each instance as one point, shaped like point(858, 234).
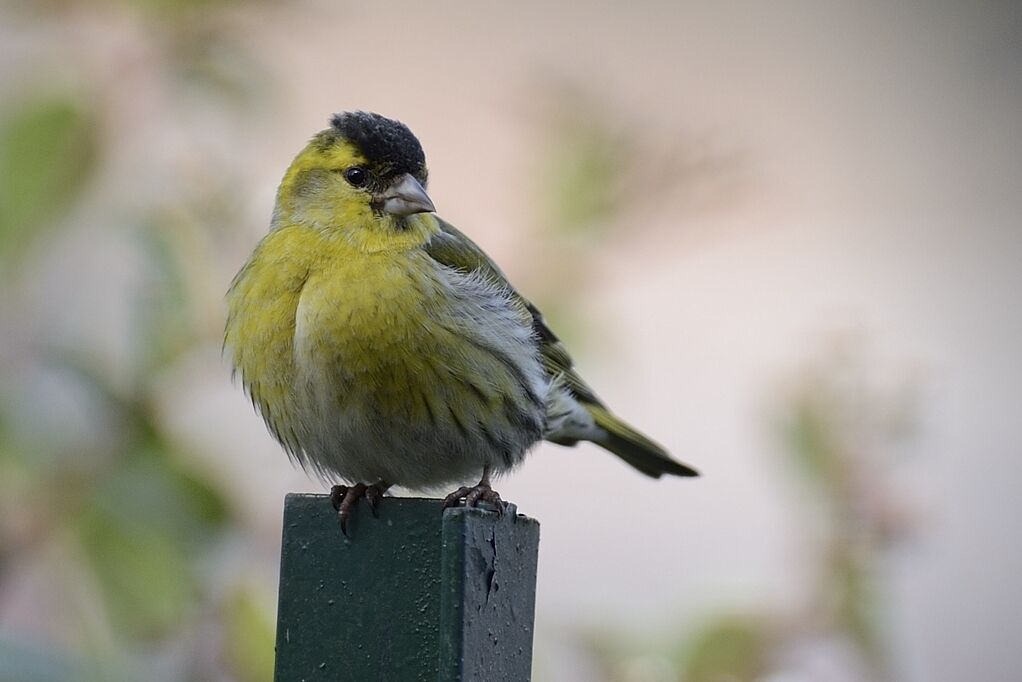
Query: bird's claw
point(373, 496)
point(344, 498)
point(471, 496)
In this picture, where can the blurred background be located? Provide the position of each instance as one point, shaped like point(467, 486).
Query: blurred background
point(783, 238)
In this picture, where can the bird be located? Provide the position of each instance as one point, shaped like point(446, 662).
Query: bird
point(381, 346)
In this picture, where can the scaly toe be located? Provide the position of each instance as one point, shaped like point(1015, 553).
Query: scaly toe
point(492, 497)
point(455, 498)
point(472, 496)
point(374, 494)
point(349, 498)
point(337, 494)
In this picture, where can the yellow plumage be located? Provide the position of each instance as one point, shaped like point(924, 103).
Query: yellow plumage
point(381, 346)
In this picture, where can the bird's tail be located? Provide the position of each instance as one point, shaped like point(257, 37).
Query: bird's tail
point(635, 448)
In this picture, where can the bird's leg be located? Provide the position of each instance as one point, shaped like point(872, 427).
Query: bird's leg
point(474, 494)
point(344, 498)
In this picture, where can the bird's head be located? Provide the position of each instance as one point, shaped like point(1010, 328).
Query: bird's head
point(365, 173)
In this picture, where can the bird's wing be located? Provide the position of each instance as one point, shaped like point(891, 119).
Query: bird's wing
point(452, 248)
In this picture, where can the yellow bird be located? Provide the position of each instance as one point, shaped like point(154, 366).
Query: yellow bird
point(383, 347)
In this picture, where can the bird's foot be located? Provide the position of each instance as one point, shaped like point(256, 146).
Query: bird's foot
point(471, 496)
point(344, 498)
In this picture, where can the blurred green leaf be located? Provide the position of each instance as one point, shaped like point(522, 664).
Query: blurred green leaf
point(730, 649)
point(145, 579)
point(211, 61)
point(150, 480)
point(154, 490)
point(585, 167)
point(812, 440)
point(163, 308)
point(143, 530)
point(856, 605)
point(205, 502)
point(176, 10)
point(249, 638)
point(163, 486)
point(47, 151)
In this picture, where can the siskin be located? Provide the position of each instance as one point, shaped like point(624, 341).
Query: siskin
point(383, 347)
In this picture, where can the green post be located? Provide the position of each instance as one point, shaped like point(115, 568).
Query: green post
point(414, 594)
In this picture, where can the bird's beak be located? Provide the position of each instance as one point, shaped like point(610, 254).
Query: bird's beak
point(406, 196)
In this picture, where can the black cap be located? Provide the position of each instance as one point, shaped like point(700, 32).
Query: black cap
point(388, 145)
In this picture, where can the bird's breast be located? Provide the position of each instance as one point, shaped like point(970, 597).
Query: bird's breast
point(404, 338)
point(359, 317)
point(389, 366)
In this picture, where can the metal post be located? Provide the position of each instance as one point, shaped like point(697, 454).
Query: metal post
point(415, 594)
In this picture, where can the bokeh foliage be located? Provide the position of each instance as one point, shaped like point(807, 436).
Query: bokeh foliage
point(119, 522)
point(48, 145)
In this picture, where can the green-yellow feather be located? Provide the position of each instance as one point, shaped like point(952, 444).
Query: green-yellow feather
point(326, 235)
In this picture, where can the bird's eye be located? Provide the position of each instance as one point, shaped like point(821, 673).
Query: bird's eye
point(357, 176)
